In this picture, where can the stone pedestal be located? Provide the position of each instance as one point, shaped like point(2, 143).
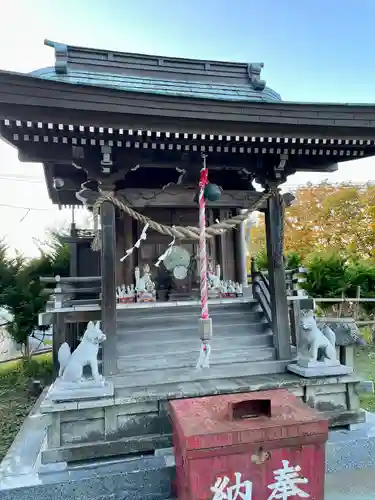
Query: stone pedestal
point(308, 368)
point(66, 391)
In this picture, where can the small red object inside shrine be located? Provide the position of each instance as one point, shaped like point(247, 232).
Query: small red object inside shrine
point(255, 446)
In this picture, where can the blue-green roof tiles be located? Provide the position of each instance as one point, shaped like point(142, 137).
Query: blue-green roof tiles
point(180, 88)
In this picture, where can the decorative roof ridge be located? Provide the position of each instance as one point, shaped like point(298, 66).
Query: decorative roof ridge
point(61, 56)
point(68, 54)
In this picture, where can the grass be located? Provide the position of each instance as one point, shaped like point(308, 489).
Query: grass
point(15, 399)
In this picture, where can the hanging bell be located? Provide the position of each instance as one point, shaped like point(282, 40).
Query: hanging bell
point(212, 192)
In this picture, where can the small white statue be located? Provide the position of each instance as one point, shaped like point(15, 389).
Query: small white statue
point(144, 286)
point(213, 281)
point(238, 288)
point(125, 294)
point(218, 271)
point(72, 364)
point(314, 342)
point(230, 287)
point(140, 283)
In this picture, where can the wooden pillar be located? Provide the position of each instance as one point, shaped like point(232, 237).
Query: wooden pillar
point(279, 303)
point(73, 251)
point(241, 254)
point(108, 273)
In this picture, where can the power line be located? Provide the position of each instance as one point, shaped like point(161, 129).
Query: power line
point(25, 208)
point(31, 180)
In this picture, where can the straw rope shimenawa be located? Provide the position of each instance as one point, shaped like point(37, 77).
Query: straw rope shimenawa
point(178, 232)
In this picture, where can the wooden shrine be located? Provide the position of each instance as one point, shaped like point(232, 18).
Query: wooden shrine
point(134, 127)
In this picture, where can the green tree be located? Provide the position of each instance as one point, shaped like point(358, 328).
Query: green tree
point(327, 275)
point(21, 292)
point(361, 274)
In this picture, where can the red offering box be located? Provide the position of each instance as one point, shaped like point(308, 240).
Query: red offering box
point(254, 446)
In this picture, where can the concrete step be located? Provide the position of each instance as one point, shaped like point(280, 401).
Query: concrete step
point(180, 375)
point(144, 345)
point(187, 359)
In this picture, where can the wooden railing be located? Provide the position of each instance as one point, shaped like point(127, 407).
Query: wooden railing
point(70, 291)
point(261, 291)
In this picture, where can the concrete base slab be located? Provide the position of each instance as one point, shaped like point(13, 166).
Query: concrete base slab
point(61, 391)
point(350, 466)
point(351, 485)
point(320, 370)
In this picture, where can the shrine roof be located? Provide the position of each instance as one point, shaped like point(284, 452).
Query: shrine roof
point(99, 88)
point(225, 81)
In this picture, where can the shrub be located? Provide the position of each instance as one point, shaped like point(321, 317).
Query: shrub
point(21, 292)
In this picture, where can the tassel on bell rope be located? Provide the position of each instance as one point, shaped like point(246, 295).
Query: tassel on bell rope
point(142, 237)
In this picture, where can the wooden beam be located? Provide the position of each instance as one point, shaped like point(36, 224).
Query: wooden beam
point(239, 155)
point(175, 196)
point(277, 282)
point(108, 272)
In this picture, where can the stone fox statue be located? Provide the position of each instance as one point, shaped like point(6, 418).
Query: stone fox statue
point(317, 341)
point(71, 364)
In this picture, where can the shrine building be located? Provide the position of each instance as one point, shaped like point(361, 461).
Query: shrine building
point(126, 135)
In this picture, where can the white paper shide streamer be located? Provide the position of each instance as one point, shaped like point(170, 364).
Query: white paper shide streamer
point(166, 253)
point(143, 236)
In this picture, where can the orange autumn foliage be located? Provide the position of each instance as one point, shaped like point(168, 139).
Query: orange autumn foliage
point(339, 218)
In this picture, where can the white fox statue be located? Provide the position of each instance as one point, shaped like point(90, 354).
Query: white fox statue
point(72, 364)
point(317, 340)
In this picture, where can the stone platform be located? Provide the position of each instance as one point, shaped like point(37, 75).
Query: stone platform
point(135, 419)
point(156, 353)
point(23, 477)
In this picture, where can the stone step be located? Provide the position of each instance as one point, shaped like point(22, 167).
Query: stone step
point(160, 321)
point(138, 478)
point(170, 308)
point(181, 343)
point(180, 375)
point(170, 331)
point(189, 358)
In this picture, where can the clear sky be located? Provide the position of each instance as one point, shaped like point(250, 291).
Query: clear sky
point(313, 50)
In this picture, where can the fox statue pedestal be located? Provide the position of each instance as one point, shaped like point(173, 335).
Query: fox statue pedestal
point(310, 369)
point(61, 391)
point(316, 351)
point(71, 385)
